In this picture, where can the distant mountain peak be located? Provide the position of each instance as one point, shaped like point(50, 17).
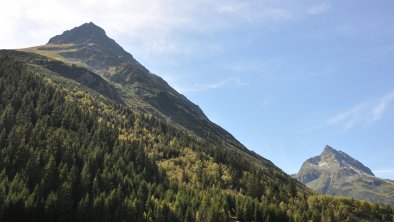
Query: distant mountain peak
point(343, 160)
point(337, 173)
point(329, 153)
point(331, 162)
point(328, 149)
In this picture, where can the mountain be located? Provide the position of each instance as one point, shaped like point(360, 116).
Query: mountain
point(336, 173)
point(89, 46)
point(89, 134)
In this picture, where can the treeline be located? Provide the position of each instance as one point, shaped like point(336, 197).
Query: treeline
point(66, 156)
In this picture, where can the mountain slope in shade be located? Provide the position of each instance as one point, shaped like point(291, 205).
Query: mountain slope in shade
point(336, 173)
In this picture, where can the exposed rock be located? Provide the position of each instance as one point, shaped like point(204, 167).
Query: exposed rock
point(336, 173)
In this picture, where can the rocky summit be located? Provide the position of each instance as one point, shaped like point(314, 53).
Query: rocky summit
point(335, 172)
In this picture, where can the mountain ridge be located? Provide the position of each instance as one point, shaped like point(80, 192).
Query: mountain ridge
point(91, 40)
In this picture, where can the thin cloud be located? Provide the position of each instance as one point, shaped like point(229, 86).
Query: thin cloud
point(318, 9)
point(361, 115)
point(381, 107)
point(347, 115)
point(346, 120)
point(229, 8)
point(177, 83)
point(257, 11)
point(266, 102)
point(232, 82)
point(226, 83)
point(154, 27)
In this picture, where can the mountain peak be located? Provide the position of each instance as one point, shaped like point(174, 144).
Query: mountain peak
point(90, 45)
point(337, 173)
point(349, 162)
point(328, 148)
point(329, 151)
point(88, 32)
point(332, 162)
point(331, 156)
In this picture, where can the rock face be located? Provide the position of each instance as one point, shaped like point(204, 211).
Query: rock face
point(336, 173)
point(331, 160)
point(90, 45)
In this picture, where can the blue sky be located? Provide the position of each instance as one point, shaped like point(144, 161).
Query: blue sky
point(284, 77)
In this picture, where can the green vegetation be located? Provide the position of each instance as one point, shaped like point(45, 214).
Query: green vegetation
point(67, 154)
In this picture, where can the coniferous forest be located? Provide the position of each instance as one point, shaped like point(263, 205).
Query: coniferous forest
point(68, 154)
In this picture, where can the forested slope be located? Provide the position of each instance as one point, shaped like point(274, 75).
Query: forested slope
point(70, 154)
